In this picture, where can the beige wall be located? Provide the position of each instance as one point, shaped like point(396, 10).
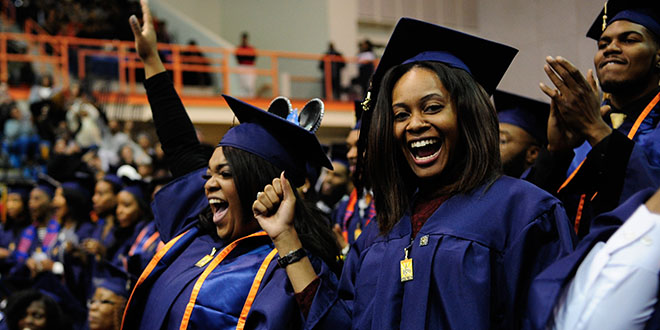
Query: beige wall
point(538, 29)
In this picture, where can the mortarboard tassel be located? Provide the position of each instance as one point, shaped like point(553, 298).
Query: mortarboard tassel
point(604, 16)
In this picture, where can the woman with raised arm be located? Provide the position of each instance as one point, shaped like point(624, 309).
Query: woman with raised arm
point(457, 244)
point(218, 268)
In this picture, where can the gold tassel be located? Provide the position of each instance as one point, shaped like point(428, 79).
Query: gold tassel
point(605, 16)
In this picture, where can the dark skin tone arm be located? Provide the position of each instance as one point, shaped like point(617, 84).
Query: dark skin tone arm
point(576, 114)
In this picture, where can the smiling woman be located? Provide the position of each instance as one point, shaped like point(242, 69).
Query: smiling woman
point(457, 243)
point(218, 269)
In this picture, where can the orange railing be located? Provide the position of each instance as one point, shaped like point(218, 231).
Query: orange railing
point(57, 51)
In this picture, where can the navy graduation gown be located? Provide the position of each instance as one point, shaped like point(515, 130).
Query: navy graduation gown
point(548, 286)
point(613, 170)
point(347, 214)
point(165, 288)
point(473, 261)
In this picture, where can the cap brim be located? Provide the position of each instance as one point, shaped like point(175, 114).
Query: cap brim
point(487, 60)
point(616, 6)
point(288, 132)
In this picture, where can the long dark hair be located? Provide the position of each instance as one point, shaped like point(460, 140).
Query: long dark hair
point(251, 174)
point(475, 161)
point(18, 303)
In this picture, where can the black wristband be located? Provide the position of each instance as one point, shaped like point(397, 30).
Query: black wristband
point(291, 257)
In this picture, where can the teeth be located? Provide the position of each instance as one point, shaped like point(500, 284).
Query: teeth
point(422, 143)
point(427, 157)
point(215, 201)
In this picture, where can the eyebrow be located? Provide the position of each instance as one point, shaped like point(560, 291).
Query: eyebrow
point(218, 167)
point(622, 35)
point(422, 100)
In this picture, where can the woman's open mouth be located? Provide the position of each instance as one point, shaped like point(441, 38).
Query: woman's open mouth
point(425, 151)
point(219, 208)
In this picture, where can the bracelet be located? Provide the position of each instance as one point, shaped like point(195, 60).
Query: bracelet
point(291, 257)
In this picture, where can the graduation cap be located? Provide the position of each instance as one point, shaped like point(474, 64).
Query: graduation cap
point(78, 198)
point(267, 134)
point(642, 12)
point(135, 189)
point(114, 279)
point(21, 188)
point(77, 188)
point(47, 185)
point(415, 41)
point(114, 180)
point(529, 114)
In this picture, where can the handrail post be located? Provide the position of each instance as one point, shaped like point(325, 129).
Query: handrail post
point(275, 74)
point(327, 78)
point(176, 62)
point(81, 63)
point(122, 67)
point(64, 60)
point(225, 71)
point(4, 73)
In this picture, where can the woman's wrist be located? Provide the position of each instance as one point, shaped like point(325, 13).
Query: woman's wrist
point(153, 66)
point(287, 241)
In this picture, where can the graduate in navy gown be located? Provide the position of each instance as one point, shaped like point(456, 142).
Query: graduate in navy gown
point(601, 153)
point(18, 218)
point(105, 205)
point(457, 244)
point(523, 129)
point(218, 269)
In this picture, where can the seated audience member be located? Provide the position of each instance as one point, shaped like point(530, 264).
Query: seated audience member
point(523, 127)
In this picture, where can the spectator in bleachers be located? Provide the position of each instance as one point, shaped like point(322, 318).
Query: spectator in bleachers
point(195, 78)
point(45, 114)
point(334, 70)
point(246, 57)
point(366, 66)
point(20, 138)
point(83, 119)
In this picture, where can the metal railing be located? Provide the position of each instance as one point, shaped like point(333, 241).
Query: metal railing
point(70, 57)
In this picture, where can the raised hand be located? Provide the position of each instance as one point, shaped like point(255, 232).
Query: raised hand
point(146, 44)
point(560, 137)
point(274, 208)
point(576, 99)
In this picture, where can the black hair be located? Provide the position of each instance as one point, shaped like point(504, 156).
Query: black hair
point(18, 303)
point(475, 160)
point(78, 205)
point(251, 174)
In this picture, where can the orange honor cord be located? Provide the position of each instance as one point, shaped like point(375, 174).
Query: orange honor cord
point(631, 135)
point(198, 284)
point(137, 241)
point(578, 215)
point(150, 267)
point(253, 290)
